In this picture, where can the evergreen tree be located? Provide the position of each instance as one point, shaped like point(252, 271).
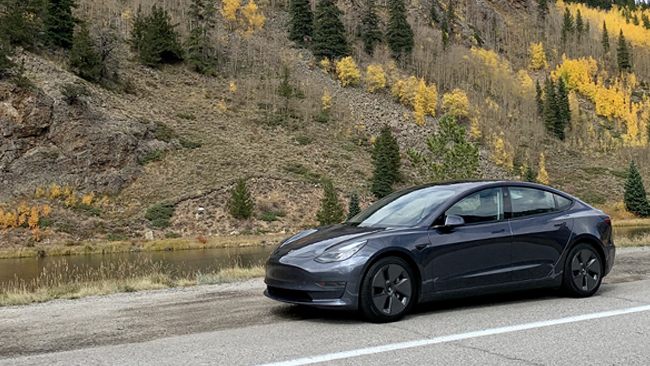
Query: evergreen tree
point(331, 209)
point(18, 29)
point(635, 197)
point(580, 25)
point(563, 118)
point(542, 9)
point(605, 38)
point(451, 16)
point(399, 34)
point(568, 25)
point(353, 207)
point(623, 54)
point(155, 39)
point(386, 159)
point(301, 25)
point(5, 64)
point(59, 23)
point(285, 89)
point(433, 13)
point(370, 33)
point(539, 99)
point(646, 21)
point(85, 61)
point(241, 203)
point(329, 32)
point(529, 175)
point(550, 105)
point(450, 156)
point(200, 52)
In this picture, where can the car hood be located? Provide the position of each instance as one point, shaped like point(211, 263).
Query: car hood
point(315, 243)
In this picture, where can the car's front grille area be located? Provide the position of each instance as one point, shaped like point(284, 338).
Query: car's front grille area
point(290, 295)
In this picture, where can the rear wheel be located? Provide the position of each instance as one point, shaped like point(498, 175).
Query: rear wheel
point(388, 290)
point(582, 271)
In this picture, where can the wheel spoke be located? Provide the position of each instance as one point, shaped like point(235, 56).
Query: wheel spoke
point(380, 300)
point(394, 272)
point(398, 304)
point(403, 287)
point(575, 264)
point(379, 281)
point(389, 308)
point(590, 282)
point(593, 266)
point(578, 279)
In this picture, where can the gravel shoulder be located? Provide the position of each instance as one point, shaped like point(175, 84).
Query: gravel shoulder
point(123, 318)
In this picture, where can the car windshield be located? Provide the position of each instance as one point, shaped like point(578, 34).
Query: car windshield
point(403, 208)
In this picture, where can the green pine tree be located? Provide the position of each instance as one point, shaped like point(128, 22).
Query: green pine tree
point(635, 197)
point(450, 156)
point(623, 54)
point(563, 118)
point(329, 32)
point(580, 25)
point(451, 16)
point(85, 61)
point(386, 160)
point(18, 29)
point(370, 32)
point(568, 25)
point(5, 64)
point(331, 209)
point(646, 21)
point(241, 203)
point(399, 34)
point(353, 207)
point(433, 13)
point(529, 175)
point(635, 19)
point(539, 99)
point(301, 25)
point(59, 23)
point(285, 89)
point(154, 38)
point(542, 9)
point(200, 52)
point(605, 38)
point(550, 105)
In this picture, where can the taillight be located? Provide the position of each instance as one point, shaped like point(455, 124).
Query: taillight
point(608, 220)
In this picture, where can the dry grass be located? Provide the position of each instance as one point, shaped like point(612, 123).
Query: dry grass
point(43, 250)
point(62, 282)
point(635, 241)
point(631, 222)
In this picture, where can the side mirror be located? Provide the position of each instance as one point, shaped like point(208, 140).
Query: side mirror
point(454, 221)
point(451, 222)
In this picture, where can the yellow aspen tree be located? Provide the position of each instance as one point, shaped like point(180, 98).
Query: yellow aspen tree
point(21, 219)
point(23, 208)
point(419, 103)
point(55, 191)
point(456, 103)
point(526, 83)
point(347, 71)
point(375, 77)
point(46, 210)
point(431, 99)
point(40, 192)
point(232, 87)
point(537, 56)
point(475, 130)
point(229, 11)
point(501, 155)
point(88, 199)
point(542, 175)
point(326, 100)
point(33, 218)
point(325, 65)
point(254, 19)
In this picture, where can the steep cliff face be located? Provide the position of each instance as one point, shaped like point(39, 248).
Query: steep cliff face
point(44, 140)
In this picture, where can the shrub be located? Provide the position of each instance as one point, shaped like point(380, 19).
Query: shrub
point(270, 216)
point(160, 213)
point(456, 103)
point(5, 64)
point(375, 78)
point(241, 203)
point(117, 237)
point(72, 93)
point(347, 71)
point(201, 239)
point(172, 235)
point(151, 156)
point(87, 209)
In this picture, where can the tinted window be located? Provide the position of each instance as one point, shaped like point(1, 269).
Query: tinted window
point(482, 206)
point(530, 201)
point(563, 203)
point(403, 208)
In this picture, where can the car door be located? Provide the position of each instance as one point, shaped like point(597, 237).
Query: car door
point(475, 254)
point(540, 231)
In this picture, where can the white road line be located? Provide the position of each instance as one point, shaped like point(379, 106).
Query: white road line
point(454, 337)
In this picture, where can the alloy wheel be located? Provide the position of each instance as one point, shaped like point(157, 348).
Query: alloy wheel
point(586, 270)
point(391, 289)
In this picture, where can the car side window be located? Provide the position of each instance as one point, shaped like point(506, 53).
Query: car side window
point(562, 203)
point(530, 201)
point(483, 206)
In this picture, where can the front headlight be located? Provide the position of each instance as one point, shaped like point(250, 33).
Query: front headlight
point(296, 237)
point(340, 252)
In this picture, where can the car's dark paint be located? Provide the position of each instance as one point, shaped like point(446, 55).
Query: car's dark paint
point(512, 254)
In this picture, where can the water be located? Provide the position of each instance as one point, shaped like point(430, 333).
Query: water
point(182, 261)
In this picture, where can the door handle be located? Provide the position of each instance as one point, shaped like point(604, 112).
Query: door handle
point(421, 246)
point(499, 231)
point(563, 224)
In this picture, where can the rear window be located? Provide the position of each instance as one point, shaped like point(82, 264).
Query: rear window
point(563, 203)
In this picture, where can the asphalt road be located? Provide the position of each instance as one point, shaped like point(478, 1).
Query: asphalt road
point(235, 325)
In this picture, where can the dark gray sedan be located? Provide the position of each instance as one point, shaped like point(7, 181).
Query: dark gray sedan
point(442, 241)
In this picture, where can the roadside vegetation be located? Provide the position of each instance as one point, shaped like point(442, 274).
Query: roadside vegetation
point(61, 282)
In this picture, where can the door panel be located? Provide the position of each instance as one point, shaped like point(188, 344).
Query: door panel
point(470, 256)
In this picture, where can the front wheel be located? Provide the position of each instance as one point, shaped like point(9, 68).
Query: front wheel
point(582, 271)
point(388, 290)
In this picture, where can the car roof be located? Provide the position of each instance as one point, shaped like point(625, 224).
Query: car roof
point(462, 186)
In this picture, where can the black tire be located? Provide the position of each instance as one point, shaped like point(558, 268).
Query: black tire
point(388, 290)
point(583, 271)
